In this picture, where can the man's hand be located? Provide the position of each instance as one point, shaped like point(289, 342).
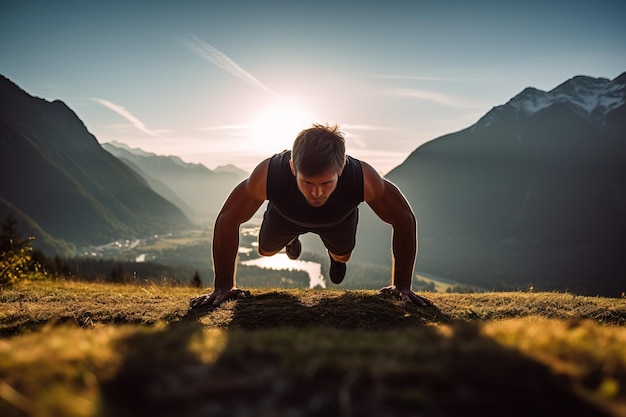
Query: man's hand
point(404, 295)
point(216, 297)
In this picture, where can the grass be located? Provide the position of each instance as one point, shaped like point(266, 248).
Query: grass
point(76, 349)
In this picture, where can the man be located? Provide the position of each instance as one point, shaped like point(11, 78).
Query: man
point(313, 188)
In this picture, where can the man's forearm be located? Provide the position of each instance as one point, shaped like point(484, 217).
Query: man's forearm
point(404, 246)
point(225, 246)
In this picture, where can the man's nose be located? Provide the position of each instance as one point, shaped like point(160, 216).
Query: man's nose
point(317, 192)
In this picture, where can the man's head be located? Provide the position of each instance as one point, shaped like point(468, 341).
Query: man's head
point(317, 160)
point(319, 149)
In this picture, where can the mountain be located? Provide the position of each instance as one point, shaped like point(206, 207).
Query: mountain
point(57, 179)
point(154, 183)
point(533, 194)
point(193, 187)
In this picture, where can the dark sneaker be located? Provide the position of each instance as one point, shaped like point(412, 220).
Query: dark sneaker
point(337, 271)
point(294, 249)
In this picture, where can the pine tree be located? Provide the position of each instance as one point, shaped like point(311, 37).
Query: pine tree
point(10, 239)
point(196, 280)
point(15, 253)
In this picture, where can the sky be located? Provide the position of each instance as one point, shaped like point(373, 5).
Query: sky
point(233, 82)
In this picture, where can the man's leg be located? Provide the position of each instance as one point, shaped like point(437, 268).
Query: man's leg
point(294, 249)
point(340, 241)
point(338, 268)
point(277, 233)
point(340, 258)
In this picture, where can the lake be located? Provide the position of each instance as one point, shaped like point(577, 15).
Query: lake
point(281, 261)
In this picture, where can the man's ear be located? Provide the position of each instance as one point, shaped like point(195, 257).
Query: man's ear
point(293, 169)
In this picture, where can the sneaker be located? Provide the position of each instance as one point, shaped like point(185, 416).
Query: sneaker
point(294, 249)
point(337, 271)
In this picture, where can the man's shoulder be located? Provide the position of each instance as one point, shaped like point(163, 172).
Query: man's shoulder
point(353, 166)
point(279, 162)
point(354, 161)
point(278, 175)
point(284, 155)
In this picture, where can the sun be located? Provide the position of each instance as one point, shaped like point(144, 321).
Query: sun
point(277, 127)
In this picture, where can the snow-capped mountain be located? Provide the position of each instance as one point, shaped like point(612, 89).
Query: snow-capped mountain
point(592, 98)
point(534, 192)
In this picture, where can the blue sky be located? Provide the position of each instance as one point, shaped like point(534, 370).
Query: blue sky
point(222, 82)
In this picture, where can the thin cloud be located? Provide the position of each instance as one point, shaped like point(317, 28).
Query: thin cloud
point(432, 96)
point(365, 127)
point(224, 128)
point(354, 133)
point(120, 110)
point(216, 57)
point(354, 139)
point(417, 77)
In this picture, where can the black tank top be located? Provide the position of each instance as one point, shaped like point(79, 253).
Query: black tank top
point(284, 195)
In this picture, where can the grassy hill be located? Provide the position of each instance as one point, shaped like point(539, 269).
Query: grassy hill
point(77, 349)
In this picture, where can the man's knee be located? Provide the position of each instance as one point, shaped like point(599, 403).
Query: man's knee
point(341, 258)
point(263, 252)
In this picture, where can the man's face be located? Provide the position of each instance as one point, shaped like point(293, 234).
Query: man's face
point(318, 188)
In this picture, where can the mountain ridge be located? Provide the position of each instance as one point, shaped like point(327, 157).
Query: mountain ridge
point(523, 198)
point(201, 190)
point(593, 97)
point(55, 172)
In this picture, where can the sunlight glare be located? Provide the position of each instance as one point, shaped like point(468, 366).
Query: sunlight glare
point(276, 129)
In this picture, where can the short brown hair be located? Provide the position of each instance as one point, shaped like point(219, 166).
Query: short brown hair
point(319, 149)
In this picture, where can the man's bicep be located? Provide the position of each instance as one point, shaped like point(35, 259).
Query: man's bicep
point(240, 205)
point(256, 184)
point(373, 184)
point(247, 197)
point(391, 206)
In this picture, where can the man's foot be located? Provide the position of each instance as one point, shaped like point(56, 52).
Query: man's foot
point(294, 249)
point(337, 271)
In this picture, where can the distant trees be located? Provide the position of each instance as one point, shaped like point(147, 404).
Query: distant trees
point(196, 281)
point(9, 236)
point(16, 253)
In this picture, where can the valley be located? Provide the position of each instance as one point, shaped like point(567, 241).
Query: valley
point(192, 249)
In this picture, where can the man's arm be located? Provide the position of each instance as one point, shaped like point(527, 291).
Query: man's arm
point(390, 205)
point(240, 206)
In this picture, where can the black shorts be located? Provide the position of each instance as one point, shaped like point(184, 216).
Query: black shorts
point(276, 232)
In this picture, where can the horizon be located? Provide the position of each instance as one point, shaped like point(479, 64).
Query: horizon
point(208, 85)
